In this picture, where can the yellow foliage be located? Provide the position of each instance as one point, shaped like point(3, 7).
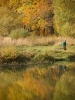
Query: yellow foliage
point(9, 51)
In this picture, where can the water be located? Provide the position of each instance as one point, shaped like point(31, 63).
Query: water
point(38, 82)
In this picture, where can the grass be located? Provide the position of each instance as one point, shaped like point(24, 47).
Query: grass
point(38, 49)
point(33, 41)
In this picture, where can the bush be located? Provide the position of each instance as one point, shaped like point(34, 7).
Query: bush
point(8, 54)
point(71, 57)
point(19, 33)
point(43, 58)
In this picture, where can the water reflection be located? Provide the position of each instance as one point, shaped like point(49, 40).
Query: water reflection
point(65, 87)
point(39, 82)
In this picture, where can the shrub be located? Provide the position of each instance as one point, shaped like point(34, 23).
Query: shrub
point(10, 54)
point(43, 58)
point(7, 54)
point(19, 33)
point(71, 57)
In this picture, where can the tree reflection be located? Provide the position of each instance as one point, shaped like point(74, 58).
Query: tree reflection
point(65, 87)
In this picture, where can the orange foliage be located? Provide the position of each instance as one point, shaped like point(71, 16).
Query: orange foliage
point(38, 13)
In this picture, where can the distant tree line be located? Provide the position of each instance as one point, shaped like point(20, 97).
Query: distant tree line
point(40, 17)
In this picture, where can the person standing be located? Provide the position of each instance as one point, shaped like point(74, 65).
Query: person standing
point(64, 45)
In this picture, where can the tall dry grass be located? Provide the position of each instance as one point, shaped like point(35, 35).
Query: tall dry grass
point(32, 41)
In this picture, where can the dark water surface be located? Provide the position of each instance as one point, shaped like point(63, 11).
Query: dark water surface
point(38, 82)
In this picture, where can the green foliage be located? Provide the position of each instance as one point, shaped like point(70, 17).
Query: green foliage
point(43, 58)
point(19, 33)
point(64, 17)
point(7, 23)
point(9, 20)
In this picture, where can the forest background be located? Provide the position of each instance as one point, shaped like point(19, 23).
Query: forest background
point(20, 18)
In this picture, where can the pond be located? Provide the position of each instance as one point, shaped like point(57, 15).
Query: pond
point(38, 82)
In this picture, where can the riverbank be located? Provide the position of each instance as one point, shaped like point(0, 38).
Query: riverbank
point(42, 50)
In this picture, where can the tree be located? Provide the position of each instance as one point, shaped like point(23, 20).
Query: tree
point(3, 2)
point(9, 20)
point(64, 11)
point(39, 17)
point(38, 14)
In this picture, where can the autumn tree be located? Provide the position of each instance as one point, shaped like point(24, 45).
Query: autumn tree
point(3, 2)
point(39, 17)
point(36, 15)
point(64, 11)
point(9, 21)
